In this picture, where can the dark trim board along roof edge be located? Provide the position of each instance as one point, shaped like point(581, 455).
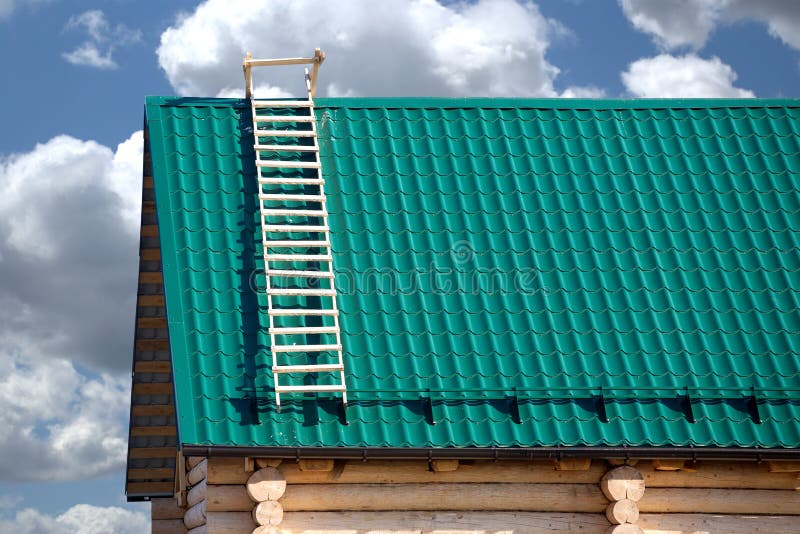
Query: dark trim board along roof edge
point(498, 453)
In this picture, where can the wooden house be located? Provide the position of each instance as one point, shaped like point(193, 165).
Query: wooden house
point(550, 316)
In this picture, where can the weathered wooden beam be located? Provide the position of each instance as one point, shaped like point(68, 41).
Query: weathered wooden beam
point(668, 465)
point(467, 522)
point(784, 467)
point(150, 254)
point(719, 501)
point(150, 230)
point(165, 508)
point(167, 430)
point(168, 526)
point(443, 466)
point(151, 301)
point(573, 464)
point(152, 344)
point(151, 277)
point(490, 497)
point(714, 524)
point(227, 498)
point(151, 473)
point(140, 453)
point(152, 388)
point(152, 410)
point(315, 465)
point(152, 367)
point(151, 322)
point(229, 522)
point(145, 488)
point(198, 472)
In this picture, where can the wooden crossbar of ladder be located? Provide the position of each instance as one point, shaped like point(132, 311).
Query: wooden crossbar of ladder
point(301, 222)
point(315, 60)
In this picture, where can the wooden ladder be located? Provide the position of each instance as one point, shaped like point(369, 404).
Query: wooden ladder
point(302, 251)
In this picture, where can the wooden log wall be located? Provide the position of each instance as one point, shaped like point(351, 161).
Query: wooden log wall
point(354, 497)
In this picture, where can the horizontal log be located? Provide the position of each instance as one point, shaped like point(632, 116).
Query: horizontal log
point(150, 230)
point(197, 473)
point(716, 524)
point(151, 322)
point(152, 344)
point(202, 529)
point(152, 388)
point(140, 453)
point(153, 431)
point(742, 475)
point(490, 497)
point(152, 367)
point(442, 466)
point(166, 508)
point(149, 488)
point(719, 501)
point(150, 254)
point(784, 467)
point(168, 526)
point(152, 301)
point(151, 473)
point(229, 522)
point(573, 464)
point(668, 465)
point(227, 498)
point(411, 471)
point(154, 277)
point(152, 410)
point(315, 465)
point(408, 522)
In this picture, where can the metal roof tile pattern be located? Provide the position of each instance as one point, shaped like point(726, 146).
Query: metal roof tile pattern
point(510, 273)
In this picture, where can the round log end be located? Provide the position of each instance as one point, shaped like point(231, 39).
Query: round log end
point(265, 529)
point(267, 484)
point(627, 528)
point(623, 482)
point(621, 512)
point(268, 513)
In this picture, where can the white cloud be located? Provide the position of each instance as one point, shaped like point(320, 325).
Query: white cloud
point(57, 423)
point(392, 47)
point(690, 22)
point(6, 8)
point(103, 39)
point(689, 76)
point(589, 91)
point(80, 519)
point(69, 212)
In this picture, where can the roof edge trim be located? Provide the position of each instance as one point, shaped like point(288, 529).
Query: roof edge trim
point(498, 453)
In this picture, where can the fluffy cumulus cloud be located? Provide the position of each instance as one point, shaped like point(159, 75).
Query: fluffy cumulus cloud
point(80, 519)
point(69, 289)
point(59, 424)
point(689, 76)
point(102, 39)
point(392, 47)
point(690, 22)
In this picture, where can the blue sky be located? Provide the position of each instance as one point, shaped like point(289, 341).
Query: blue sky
point(75, 77)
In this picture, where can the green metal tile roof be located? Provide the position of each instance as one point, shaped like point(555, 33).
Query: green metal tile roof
point(628, 269)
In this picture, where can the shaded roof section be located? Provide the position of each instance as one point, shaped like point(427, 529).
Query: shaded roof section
point(511, 273)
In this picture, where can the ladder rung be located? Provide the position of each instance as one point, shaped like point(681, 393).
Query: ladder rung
point(282, 103)
point(297, 257)
point(267, 212)
point(296, 243)
point(283, 118)
point(284, 196)
point(294, 312)
point(309, 389)
point(294, 228)
point(308, 368)
point(278, 164)
point(306, 348)
point(280, 181)
point(287, 148)
point(299, 274)
point(292, 330)
point(301, 292)
point(284, 133)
